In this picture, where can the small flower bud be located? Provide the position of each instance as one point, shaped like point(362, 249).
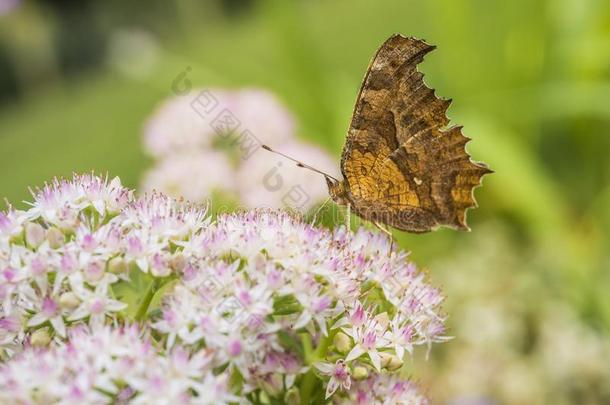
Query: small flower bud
point(34, 234)
point(69, 300)
point(360, 373)
point(94, 272)
point(159, 266)
point(383, 319)
point(273, 385)
point(292, 396)
point(390, 361)
point(342, 342)
point(117, 265)
point(40, 338)
point(55, 238)
point(177, 262)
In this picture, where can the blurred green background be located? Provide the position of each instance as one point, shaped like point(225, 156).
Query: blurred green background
point(527, 290)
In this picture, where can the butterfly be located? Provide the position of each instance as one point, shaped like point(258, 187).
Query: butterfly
point(403, 166)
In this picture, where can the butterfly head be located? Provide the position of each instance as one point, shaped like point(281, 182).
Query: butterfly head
point(337, 191)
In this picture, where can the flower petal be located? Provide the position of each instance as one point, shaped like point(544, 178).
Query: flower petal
point(356, 352)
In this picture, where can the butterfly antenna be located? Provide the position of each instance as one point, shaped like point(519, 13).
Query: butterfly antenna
point(299, 164)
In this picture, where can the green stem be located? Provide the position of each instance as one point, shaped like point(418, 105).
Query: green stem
point(309, 380)
point(307, 347)
point(150, 293)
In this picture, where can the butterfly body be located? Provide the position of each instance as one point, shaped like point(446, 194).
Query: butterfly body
point(402, 165)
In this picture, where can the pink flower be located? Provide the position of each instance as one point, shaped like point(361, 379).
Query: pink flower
point(368, 338)
point(339, 376)
point(49, 311)
point(384, 389)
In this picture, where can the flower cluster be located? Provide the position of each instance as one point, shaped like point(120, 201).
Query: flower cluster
point(257, 304)
point(221, 132)
point(105, 364)
point(263, 276)
point(384, 389)
point(58, 259)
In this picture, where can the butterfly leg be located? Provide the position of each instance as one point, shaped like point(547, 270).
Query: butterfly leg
point(348, 217)
point(315, 215)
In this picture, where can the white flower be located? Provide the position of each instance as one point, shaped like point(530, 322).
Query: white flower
point(400, 337)
point(214, 390)
point(339, 376)
point(384, 389)
point(49, 311)
point(317, 306)
point(368, 338)
point(10, 224)
point(180, 318)
point(59, 202)
point(95, 304)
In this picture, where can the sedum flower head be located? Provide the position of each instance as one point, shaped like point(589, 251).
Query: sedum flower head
point(179, 126)
point(260, 299)
point(186, 135)
point(262, 275)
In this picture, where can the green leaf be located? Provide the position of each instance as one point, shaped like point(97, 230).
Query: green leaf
point(133, 292)
point(286, 305)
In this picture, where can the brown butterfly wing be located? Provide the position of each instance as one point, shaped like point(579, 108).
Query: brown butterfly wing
point(402, 166)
